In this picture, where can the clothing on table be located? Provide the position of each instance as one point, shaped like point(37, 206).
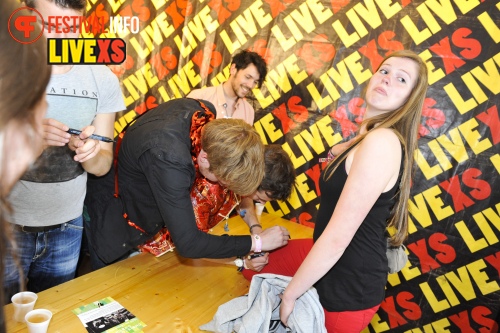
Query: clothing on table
point(215, 95)
point(155, 175)
point(258, 312)
point(52, 192)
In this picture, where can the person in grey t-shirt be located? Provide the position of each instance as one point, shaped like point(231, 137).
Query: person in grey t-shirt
point(48, 200)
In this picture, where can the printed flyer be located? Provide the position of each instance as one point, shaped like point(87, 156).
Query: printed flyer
point(107, 315)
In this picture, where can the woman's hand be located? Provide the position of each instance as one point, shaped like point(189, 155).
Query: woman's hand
point(286, 308)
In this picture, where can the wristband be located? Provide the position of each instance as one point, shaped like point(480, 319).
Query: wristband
point(330, 155)
point(255, 225)
point(328, 158)
point(258, 243)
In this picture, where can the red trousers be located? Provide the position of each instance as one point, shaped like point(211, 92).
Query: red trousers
point(287, 260)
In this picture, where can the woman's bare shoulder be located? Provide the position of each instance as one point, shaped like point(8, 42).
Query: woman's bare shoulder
point(382, 139)
point(380, 144)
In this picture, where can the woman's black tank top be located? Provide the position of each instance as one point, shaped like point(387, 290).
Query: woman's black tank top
point(358, 279)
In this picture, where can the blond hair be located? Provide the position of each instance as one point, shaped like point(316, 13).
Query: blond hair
point(405, 122)
point(235, 154)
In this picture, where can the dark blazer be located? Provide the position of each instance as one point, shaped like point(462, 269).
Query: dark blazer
point(155, 176)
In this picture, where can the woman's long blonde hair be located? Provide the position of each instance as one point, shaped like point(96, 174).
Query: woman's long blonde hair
point(405, 123)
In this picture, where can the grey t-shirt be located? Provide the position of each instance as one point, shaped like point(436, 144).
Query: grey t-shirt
point(53, 190)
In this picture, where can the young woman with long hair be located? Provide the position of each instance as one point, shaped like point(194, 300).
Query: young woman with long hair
point(364, 191)
point(24, 75)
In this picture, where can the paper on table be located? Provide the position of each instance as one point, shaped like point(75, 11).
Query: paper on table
point(107, 315)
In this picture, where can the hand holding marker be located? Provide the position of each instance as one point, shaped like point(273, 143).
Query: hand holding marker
point(255, 255)
point(93, 136)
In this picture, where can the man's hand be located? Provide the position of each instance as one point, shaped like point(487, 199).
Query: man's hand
point(258, 263)
point(54, 133)
point(84, 148)
point(272, 238)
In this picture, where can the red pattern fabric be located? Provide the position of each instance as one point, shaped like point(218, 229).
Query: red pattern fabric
point(197, 122)
point(212, 203)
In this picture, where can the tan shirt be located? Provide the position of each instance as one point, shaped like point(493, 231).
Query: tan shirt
point(215, 95)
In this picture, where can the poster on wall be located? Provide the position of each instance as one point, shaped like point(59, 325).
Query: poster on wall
point(320, 55)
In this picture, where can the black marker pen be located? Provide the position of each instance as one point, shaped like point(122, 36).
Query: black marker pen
point(93, 136)
point(255, 255)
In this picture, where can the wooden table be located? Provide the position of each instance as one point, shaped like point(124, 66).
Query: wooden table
point(169, 293)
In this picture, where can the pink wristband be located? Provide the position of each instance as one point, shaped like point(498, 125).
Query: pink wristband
point(258, 243)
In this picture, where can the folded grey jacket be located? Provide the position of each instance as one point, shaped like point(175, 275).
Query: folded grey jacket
point(259, 310)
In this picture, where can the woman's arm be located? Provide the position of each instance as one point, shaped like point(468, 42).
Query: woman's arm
point(374, 168)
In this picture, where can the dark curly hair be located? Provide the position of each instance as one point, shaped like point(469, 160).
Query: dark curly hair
point(279, 178)
point(245, 58)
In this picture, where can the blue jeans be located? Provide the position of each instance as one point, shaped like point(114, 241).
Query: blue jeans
point(46, 258)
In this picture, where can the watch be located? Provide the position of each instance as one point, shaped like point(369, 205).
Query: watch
point(239, 263)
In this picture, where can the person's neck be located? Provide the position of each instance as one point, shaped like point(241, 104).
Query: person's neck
point(229, 92)
point(362, 129)
point(61, 69)
point(368, 113)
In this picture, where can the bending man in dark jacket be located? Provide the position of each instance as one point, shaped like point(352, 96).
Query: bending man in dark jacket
point(157, 163)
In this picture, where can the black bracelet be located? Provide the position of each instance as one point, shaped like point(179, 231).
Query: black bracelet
point(255, 225)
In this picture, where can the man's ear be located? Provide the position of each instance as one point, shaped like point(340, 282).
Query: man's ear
point(233, 70)
point(203, 157)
